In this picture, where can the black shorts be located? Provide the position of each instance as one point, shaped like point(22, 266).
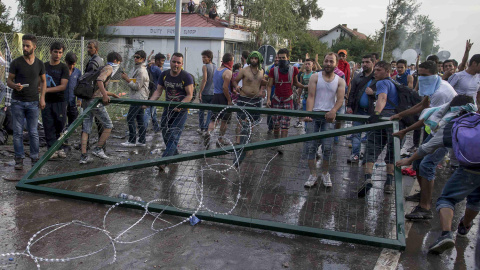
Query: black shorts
point(220, 99)
point(249, 102)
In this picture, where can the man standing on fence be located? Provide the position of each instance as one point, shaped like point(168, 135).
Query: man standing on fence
point(326, 91)
point(284, 77)
point(113, 63)
point(54, 115)
point(26, 74)
point(178, 85)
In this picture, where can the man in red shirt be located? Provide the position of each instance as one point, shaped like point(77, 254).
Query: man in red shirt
point(343, 65)
point(284, 76)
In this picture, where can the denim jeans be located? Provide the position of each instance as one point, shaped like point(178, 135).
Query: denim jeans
point(151, 113)
point(356, 138)
point(202, 121)
point(135, 113)
point(378, 139)
point(21, 111)
point(310, 147)
point(172, 124)
point(462, 184)
point(54, 117)
point(426, 167)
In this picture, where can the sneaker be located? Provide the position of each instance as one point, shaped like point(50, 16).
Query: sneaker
point(419, 213)
point(353, 159)
point(312, 181)
point(99, 153)
point(200, 131)
point(18, 164)
point(442, 244)
point(365, 188)
point(299, 124)
point(84, 159)
point(388, 187)
point(54, 155)
point(463, 230)
point(413, 198)
point(61, 154)
point(140, 144)
point(326, 180)
point(128, 144)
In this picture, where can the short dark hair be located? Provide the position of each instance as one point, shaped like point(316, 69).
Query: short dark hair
point(433, 58)
point(440, 62)
point(208, 54)
point(368, 56)
point(393, 62)
point(57, 46)
point(375, 55)
point(112, 56)
point(71, 58)
point(177, 54)
point(448, 61)
point(142, 54)
point(384, 65)
point(30, 37)
point(227, 57)
point(429, 65)
point(236, 66)
point(461, 100)
point(402, 61)
point(309, 60)
point(475, 58)
point(245, 54)
point(94, 42)
point(159, 56)
point(455, 63)
point(284, 51)
point(332, 53)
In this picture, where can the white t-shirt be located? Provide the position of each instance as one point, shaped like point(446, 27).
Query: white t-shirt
point(326, 94)
point(444, 94)
point(465, 84)
point(240, 10)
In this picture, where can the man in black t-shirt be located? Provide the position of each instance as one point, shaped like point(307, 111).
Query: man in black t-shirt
point(178, 85)
point(55, 113)
point(26, 76)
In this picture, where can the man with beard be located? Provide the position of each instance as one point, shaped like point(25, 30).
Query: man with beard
point(326, 92)
point(249, 93)
point(359, 102)
point(55, 112)
point(26, 74)
point(284, 77)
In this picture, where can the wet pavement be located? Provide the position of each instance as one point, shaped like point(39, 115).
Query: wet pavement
point(271, 188)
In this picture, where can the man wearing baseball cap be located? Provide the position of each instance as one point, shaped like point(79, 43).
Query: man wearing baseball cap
point(343, 65)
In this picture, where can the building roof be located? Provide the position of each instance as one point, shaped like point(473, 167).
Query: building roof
point(321, 33)
point(168, 19)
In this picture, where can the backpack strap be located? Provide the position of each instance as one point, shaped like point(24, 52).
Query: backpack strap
point(290, 75)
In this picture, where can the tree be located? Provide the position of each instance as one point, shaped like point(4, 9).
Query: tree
point(6, 24)
point(305, 43)
point(281, 20)
point(356, 48)
point(423, 36)
point(62, 18)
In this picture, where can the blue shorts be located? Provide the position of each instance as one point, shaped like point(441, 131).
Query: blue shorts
point(99, 112)
point(427, 166)
point(462, 184)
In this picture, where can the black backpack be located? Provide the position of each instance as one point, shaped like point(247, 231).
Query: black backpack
point(86, 84)
point(407, 98)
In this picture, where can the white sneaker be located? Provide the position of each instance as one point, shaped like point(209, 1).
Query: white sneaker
point(61, 154)
point(99, 153)
point(312, 181)
point(128, 144)
point(326, 180)
point(140, 144)
point(199, 131)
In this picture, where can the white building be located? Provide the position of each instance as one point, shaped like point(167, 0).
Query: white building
point(157, 32)
point(333, 35)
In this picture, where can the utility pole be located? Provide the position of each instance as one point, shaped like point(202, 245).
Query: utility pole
point(178, 24)
point(385, 33)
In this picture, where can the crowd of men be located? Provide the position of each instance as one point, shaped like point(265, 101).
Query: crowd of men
point(332, 86)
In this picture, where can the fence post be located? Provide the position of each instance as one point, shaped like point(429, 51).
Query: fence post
point(185, 57)
point(82, 49)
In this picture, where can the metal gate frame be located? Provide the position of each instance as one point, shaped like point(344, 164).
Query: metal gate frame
point(29, 184)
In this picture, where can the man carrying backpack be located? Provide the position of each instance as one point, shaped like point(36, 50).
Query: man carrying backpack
point(138, 85)
point(446, 122)
point(436, 92)
point(387, 101)
point(113, 63)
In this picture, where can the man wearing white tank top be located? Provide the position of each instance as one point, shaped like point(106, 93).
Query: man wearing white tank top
point(325, 94)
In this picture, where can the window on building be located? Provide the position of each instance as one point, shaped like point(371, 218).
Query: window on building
point(129, 41)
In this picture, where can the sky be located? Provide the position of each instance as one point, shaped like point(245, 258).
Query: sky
point(457, 19)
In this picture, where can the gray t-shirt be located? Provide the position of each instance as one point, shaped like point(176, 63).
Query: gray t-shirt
point(465, 84)
point(208, 90)
point(444, 94)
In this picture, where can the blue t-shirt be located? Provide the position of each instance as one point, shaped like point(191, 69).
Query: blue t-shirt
point(156, 73)
point(72, 83)
point(364, 99)
point(387, 87)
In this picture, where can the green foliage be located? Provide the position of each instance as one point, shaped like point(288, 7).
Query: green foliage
point(423, 36)
point(6, 24)
point(357, 48)
point(305, 43)
point(281, 19)
point(71, 18)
